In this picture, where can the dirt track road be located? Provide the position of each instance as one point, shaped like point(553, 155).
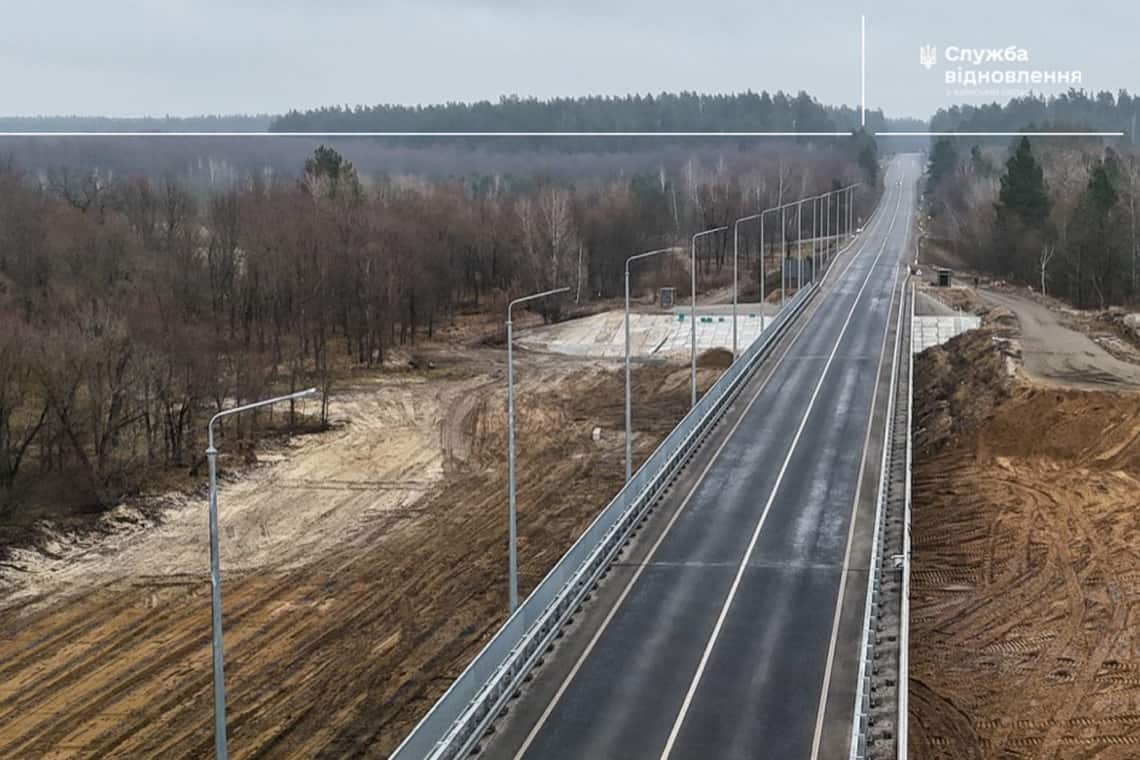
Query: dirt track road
point(373, 572)
point(391, 445)
point(1053, 353)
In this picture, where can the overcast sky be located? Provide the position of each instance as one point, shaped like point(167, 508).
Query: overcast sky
point(182, 57)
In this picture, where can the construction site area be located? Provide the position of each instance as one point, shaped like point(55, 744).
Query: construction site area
point(363, 567)
point(1026, 535)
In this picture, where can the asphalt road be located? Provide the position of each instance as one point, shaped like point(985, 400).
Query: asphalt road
point(723, 636)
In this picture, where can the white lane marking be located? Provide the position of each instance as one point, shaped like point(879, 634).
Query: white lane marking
point(664, 533)
point(772, 498)
point(648, 558)
point(817, 736)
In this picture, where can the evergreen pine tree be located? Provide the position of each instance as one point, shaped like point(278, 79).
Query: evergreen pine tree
point(1093, 254)
point(943, 162)
point(1023, 194)
point(1022, 224)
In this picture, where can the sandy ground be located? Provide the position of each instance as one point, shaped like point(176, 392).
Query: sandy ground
point(1026, 549)
point(361, 571)
point(391, 442)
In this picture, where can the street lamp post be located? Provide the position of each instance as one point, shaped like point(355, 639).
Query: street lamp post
point(816, 230)
point(850, 209)
point(838, 221)
point(842, 211)
point(512, 561)
point(842, 208)
point(828, 253)
point(763, 265)
point(628, 391)
point(824, 201)
point(215, 567)
point(735, 257)
point(849, 212)
point(843, 217)
point(799, 244)
point(827, 232)
point(693, 309)
point(811, 232)
point(735, 265)
point(833, 228)
point(761, 215)
point(783, 251)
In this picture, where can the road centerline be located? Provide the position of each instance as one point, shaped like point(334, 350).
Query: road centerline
point(817, 735)
point(744, 562)
point(876, 221)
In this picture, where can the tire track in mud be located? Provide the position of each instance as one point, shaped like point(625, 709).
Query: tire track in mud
point(1026, 582)
point(280, 685)
point(340, 656)
point(110, 686)
point(115, 656)
point(116, 685)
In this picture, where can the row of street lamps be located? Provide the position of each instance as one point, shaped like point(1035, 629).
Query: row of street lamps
point(825, 228)
point(819, 226)
point(693, 313)
point(220, 743)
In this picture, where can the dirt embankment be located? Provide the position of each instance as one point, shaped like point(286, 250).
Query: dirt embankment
point(361, 574)
point(1026, 575)
point(715, 358)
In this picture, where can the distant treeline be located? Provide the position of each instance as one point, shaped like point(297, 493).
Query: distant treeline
point(216, 162)
point(666, 112)
point(219, 161)
point(208, 123)
point(1071, 111)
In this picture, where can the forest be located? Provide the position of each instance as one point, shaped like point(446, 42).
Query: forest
point(666, 112)
point(1059, 214)
point(132, 308)
point(219, 160)
point(1075, 110)
point(204, 123)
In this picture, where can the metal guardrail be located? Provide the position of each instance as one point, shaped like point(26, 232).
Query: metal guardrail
point(460, 717)
point(904, 614)
point(873, 601)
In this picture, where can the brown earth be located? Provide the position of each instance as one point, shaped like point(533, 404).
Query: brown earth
point(715, 358)
point(361, 572)
point(1026, 549)
point(958, 298)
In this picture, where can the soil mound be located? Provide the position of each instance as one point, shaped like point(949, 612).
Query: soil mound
point(714, 358)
